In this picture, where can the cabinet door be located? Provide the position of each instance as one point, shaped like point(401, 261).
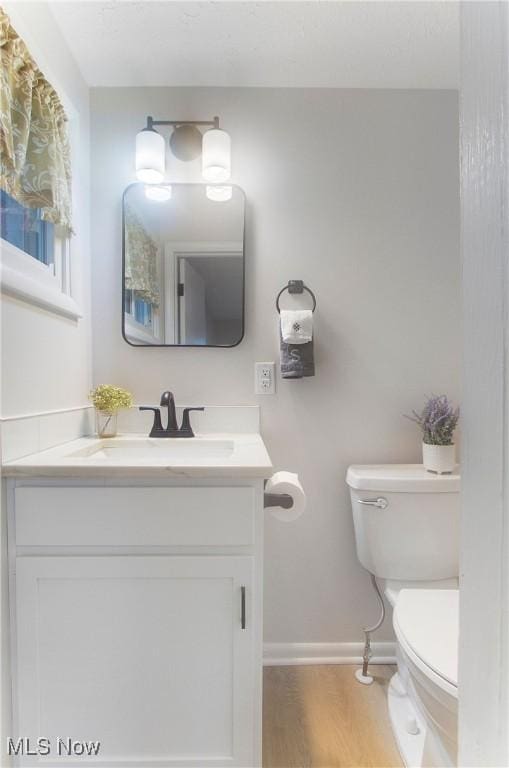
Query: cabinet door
point(147, 655)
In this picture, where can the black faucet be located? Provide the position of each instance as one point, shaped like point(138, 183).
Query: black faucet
point(172, 428)
point(168, 401)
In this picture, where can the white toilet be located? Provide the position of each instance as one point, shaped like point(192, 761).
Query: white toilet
point(407, 533)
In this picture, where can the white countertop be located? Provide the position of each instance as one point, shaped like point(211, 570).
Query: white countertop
point(206, 455)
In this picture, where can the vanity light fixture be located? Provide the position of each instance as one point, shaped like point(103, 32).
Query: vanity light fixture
point(158, 192)
point(216, 155)
point(219, 193)
point(187, 143)
point(150, 156)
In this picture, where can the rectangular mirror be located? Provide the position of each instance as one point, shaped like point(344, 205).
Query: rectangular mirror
point(183, 265)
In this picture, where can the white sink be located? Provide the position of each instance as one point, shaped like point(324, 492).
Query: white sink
point(206, 455)
point(153, 448)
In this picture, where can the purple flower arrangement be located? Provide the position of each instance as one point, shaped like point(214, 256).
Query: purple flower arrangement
point(437, 420)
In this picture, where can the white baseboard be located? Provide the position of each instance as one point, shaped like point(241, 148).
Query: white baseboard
point(283, 654)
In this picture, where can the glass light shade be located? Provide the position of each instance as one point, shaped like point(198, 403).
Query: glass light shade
point(149, 156)
point(158, 193)
point(216, 155)
point(219, 194)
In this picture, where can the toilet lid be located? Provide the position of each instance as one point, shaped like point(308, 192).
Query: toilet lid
point(426, 622)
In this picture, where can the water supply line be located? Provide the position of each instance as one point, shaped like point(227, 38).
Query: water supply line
point(362, 674)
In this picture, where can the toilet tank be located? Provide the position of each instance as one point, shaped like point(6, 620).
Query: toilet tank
point(411, 532)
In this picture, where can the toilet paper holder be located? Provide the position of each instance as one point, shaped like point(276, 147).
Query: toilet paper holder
point(277, 500)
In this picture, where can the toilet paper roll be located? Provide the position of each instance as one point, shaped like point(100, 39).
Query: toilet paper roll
point(287, 482)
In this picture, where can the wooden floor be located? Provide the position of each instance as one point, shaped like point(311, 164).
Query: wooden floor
point(321, 717)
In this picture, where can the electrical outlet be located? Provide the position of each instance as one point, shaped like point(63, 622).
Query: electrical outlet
point(265, 382)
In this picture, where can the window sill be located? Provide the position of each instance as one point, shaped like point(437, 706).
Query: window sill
point(136, 334)
point(33, 283)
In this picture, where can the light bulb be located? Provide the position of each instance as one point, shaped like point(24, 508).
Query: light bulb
point(159, 193)
point(219, 194)
point(150, 157)
point(216, 155)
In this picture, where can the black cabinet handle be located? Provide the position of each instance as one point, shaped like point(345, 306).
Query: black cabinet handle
point(242, 607)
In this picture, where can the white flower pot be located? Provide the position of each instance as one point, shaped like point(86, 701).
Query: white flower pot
point(440, 459)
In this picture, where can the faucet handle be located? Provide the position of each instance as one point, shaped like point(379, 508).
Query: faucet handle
point(186, 430)
point(157, 426)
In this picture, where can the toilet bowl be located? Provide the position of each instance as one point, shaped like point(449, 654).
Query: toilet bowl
point(407, 534)
point(425, 691)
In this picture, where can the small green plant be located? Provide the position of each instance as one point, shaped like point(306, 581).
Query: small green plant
point(110, 399)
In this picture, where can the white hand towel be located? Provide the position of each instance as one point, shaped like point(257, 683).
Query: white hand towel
point(296, 326)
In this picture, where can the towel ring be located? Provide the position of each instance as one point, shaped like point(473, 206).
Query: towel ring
point(295, 286)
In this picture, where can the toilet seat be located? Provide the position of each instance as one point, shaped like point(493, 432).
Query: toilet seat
point(426, 622)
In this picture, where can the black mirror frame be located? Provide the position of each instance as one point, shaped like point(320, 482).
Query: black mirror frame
point(186, 346)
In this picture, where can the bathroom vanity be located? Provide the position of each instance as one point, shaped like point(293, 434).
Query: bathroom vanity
point(136, 600)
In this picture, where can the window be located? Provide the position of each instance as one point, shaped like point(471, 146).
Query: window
point(35, 258)
point(140, 310)
point(142, 319)
point(25, 228)
point(35, 182)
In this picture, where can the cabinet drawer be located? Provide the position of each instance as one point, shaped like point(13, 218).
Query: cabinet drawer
point(139, 516)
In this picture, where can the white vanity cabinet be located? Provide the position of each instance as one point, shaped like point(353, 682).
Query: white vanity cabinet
point(136, 618)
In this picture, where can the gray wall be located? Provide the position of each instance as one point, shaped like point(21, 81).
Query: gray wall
point(355, 192)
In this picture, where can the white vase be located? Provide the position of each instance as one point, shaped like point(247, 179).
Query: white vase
point(440, 459)
point(105, 423)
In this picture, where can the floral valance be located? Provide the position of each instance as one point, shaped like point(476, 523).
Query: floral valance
point(35, 166)
point(140, 259)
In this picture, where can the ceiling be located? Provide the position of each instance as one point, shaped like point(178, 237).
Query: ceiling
point(351, 44)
